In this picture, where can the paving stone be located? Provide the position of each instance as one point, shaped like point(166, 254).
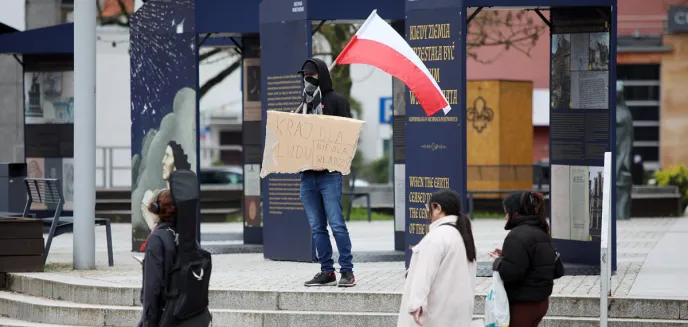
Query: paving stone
point(250, 271)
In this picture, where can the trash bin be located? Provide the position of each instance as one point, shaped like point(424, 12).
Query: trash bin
point(12, 188)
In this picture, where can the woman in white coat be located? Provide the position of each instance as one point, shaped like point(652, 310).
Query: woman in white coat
point(441, 280)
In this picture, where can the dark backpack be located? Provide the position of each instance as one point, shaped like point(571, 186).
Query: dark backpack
point(189, 279)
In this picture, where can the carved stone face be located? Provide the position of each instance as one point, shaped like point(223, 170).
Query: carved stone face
point(167, 163)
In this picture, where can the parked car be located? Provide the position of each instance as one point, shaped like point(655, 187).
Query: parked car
point(222, 175)
point(359, 183)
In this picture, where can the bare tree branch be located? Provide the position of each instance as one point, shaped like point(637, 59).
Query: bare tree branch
point(517, 31)
point(219, 78)
point(209, 54)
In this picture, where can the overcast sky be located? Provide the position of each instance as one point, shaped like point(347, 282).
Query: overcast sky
point(12, 14)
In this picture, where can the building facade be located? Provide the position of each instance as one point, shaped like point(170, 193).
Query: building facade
point(652, 61)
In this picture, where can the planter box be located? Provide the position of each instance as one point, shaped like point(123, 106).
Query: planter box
point(21, 245)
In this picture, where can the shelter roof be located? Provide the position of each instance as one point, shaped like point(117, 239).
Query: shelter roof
point(52, 39)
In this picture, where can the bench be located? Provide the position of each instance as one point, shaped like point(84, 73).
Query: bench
point(355, 195)
point(471, 194)
point(48, 191)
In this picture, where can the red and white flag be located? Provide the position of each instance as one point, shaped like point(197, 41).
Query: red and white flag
point(377, 44)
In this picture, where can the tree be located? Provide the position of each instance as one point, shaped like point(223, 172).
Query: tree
point(118, 12)
point(510, 30)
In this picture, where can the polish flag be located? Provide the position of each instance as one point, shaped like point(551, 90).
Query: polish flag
point(377, 44)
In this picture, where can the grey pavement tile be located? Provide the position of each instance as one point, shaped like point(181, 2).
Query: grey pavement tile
point(636, 238)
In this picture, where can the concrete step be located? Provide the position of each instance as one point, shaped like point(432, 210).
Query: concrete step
point(333, 300)
point(39, 310)
point(7, 322)
point(45, 311)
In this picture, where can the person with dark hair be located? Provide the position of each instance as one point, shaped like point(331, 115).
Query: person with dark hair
point(321, 190)
point(159, 257)
point(441, 280)
point(528, 264)
point(181, 160)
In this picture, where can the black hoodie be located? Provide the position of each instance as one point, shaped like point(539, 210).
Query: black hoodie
point(333, 103)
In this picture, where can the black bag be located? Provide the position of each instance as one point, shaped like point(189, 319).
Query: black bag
point(189, 279)
point(559, 270)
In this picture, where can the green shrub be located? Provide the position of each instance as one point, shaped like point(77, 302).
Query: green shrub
point(676, 175)
point(376, 172)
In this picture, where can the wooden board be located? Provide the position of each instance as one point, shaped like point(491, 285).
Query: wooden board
point(499, 136)
point(673, 118)
point(13, 228)
point(29, 263)
point(19, 246)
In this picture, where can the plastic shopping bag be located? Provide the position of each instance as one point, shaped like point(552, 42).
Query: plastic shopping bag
point(496, 304)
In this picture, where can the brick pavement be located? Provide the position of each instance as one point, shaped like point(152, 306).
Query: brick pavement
point(636, 238)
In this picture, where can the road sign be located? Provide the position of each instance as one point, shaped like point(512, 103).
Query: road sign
point(386, 110)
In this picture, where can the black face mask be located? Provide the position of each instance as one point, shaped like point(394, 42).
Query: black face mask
point(311, 91)
point(310, 84)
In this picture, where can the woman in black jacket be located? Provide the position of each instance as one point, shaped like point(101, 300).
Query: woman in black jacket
point(157, 263)
point(527, 261)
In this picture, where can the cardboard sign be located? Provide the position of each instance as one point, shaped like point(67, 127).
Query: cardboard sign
point(295, 142)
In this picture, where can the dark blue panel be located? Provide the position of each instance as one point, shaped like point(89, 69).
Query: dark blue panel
point(578, 252)
point(579, 137)
point(53, 39)
point(355, 9)
point(163, 97)
point(274, 11)
point(286, 232)
point(227, 16)
point(536, 3)
point(612, 127)
point(435, 148)
point(432, 4)
point(221, 42)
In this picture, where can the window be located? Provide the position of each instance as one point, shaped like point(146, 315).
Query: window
point(67, 11)
point(641, 92)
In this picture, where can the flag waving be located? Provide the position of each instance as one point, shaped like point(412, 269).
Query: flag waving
point(377, 44)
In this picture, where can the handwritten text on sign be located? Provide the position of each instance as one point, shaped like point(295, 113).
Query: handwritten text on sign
point(295, 142)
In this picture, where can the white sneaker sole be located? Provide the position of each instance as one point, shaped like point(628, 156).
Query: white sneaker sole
point(346, 285)
point(326, 284)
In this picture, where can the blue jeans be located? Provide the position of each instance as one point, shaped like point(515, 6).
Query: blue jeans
point(321, 195)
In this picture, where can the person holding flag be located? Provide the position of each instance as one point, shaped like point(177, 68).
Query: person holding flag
point(321, 190)
point(376, 44)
